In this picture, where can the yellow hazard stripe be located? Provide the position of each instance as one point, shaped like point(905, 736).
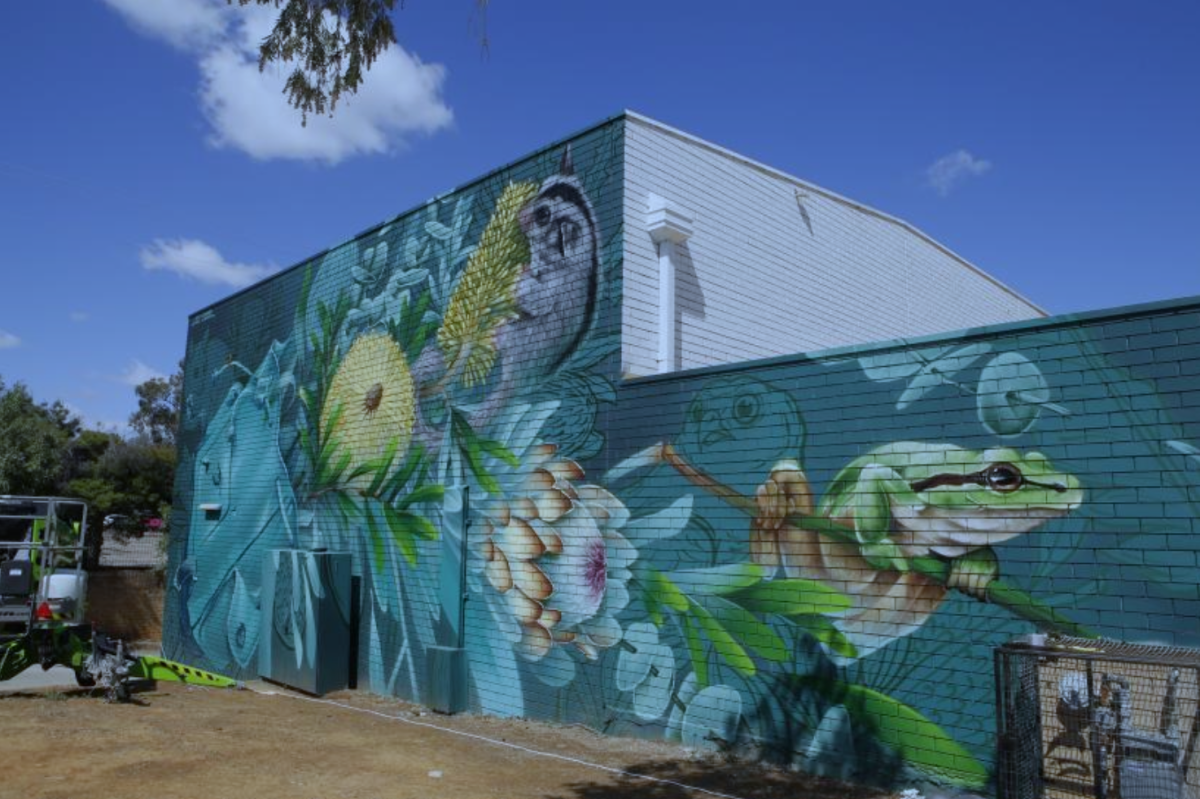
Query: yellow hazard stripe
point(156, 668)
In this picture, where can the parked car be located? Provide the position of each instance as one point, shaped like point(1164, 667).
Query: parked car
point(133, 524)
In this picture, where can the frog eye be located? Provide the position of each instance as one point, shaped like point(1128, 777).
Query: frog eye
point(745, 410)
point(1004, 477)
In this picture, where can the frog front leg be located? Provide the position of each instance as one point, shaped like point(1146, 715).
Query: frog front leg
point(973, 572)
point(870, 503)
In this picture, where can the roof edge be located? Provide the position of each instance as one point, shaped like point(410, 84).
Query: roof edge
point(950, 337)
point(413, 208)
point(831, 195)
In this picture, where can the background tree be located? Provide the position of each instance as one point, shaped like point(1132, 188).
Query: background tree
point(34, 441)
point(44, 450)
point(159, 400)
point(330, 45)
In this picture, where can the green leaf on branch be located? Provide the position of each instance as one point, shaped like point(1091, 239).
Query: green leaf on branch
point(792, 597)
point(382, 467)
point(428, 493)
point(747, 629)
point(696, 650)
point(663, 592)
point(378, 548)
point(499, 451)
point(718, 580)
point(723, 642)
point(405, 529)
point(827, 633)
point(472, 449)
point(400, 478)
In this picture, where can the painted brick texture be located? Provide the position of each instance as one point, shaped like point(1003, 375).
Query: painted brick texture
point(814, 553)
point(1095, 408)
point(327, 406)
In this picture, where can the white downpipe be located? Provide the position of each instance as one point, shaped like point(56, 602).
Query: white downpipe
point(669, 227)
point(666, 306)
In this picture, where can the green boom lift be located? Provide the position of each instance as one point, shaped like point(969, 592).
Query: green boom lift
point(43, 591)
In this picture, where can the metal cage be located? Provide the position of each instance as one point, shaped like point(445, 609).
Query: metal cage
point(1081, 717)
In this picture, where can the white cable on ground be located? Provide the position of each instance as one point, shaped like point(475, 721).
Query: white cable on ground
point(485, 739)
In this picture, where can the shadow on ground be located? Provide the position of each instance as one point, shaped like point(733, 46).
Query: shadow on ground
point(747, 781)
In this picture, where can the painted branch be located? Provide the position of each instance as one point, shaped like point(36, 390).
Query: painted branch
point(1018, 602)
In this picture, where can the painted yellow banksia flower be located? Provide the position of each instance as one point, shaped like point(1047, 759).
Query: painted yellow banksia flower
point(370, 402)
point(485, 296)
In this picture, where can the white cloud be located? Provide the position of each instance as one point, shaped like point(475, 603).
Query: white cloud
point(79, 316)
point(201, 261)
point(247, 110)
point(137, 373)
point(8, 341)
point(946, 173)
point(187, 25)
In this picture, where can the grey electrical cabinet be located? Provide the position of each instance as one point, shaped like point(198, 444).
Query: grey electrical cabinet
point(306, 611)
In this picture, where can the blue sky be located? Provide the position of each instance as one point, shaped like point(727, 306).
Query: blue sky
point(147, 169)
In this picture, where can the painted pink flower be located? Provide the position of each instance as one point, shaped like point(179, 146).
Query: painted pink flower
point(555, 552)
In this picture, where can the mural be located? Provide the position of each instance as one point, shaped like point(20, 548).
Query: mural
point(808, 559)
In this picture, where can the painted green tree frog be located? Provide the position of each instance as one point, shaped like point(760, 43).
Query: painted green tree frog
point(910, 499)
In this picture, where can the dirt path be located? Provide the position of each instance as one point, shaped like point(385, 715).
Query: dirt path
point(186, 743)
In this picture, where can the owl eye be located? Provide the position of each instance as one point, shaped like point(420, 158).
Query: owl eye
point(541, 216)
point(1004, 477)
point(746, 409)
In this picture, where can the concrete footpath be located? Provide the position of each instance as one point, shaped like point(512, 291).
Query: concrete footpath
point(34, 679)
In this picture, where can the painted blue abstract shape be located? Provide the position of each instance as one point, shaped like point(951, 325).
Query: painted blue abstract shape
point(239, 469)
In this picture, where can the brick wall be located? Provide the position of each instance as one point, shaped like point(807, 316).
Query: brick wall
point(792, 553)
point(337, 405)
point(1099, 413)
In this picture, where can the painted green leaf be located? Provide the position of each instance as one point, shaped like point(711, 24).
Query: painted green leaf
point(664, 592)
point(499, 451)
point(429, 493)
point(792, 597)
point(747, 628)
point(919, 741)
point(653, 609)
point(416, 524)
point(472, 450)
point(378, 550)
point(824, 631)
point(382, 467)
point(329, 444)
point(346, 505)
point(696, 650)
point(397, 481)
point(718, 580)
point(405, 529)
point(723, 642)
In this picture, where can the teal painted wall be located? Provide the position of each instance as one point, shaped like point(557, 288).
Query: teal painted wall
point(811, 555)
point(348, 403)
point(1050, 468)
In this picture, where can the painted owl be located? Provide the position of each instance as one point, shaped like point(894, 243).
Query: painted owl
point(556, 293)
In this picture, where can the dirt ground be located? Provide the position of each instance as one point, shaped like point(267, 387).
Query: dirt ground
point(185, 743)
